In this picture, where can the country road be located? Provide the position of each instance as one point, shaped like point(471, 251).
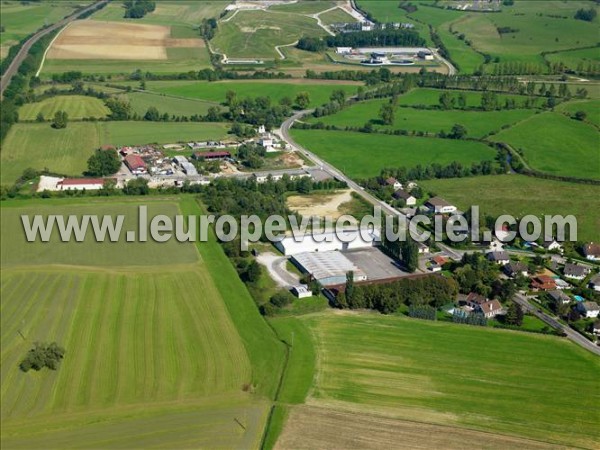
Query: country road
point(284, 131)
point(24, 51)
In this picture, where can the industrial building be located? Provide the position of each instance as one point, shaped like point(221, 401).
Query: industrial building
point(328, 268)
point(328, 241)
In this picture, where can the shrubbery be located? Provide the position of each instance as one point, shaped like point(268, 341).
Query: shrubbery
point(42, 355)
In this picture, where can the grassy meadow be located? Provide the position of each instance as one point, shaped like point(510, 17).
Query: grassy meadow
point(166, 351)
point(478, 124)
point(431, 97)
point(76, 106)
point(216, 91)
point(363, 155)
point(556, 144)
point(336, 16)
point(497, 381)
point(590, 107)
point(572, 58)
point(141, 101)
point(519, 195)
point(66, 151)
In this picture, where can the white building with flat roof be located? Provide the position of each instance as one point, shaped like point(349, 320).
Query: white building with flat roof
point(328, 268)
point(328, 241)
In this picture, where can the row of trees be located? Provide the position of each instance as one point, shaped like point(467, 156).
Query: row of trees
point(387, 37)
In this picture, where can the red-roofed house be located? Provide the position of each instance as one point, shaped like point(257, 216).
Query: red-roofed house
point(136, 164)
point(543, 283)
point(490, 309)
point(212, 156)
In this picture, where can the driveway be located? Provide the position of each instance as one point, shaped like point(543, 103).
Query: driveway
point(275, 264)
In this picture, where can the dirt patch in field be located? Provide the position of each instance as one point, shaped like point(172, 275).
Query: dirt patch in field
point(320, 205)
point(88, 39)
point(310, 427)
point(291, 159)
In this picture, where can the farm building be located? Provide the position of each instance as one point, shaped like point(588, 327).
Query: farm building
point(438, 205)
point(136, 164)
point(328, 268)
point(343, 50)
point(328, 241)
point(187, 167)
point(80, 184)
point(301, 291)
point(212, 156)
point(276, 175)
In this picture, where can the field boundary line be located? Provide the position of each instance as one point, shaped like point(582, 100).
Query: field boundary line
point(37, 74)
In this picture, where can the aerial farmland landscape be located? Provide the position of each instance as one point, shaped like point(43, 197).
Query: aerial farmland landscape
point(300, 224)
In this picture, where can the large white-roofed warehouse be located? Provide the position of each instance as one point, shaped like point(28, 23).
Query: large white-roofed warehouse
point(328, 268)
point(328, 241)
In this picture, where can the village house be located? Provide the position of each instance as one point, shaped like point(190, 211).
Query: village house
point(391, 181)
point(490, 309)
point(592, 251)
point(500, 257)
point(559, 297)
point(438, 205)
point(543, 283)
point(595, 283)
point(423, 248)
point(80, 184)
point(588, 309)
point(136, 164)
point(474, 299)
point(552, 246)
point(409, 200)
point(596, 328)
point(575, 271)
point(436, 263)
point(514, 269)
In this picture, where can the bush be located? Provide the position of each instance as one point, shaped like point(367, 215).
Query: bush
point(281, 299)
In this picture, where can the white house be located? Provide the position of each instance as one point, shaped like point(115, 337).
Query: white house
point(501, 258)
point(560, 297)
point(409, 200)
point(438, 205)
point(391, 181)
point(490, 309)
point(595, 283)
point(553, 245)
point(588, 309)
point(80, 184)
point(575, 271)
point(343, 50)
point(592, 251)
point(301, 291)
point(596, 328)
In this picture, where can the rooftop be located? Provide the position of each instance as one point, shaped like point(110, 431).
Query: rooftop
point(323, 265)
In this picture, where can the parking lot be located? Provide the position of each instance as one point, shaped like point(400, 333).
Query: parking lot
point(375, 264)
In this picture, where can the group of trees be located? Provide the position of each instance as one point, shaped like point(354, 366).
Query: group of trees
point(386, 298)
point(103, 162)
point(586, 14)
point(42, 355)
point(251, 155)
point(208, 28)
point(60, 120)
point(136, 9)
point(386, 37)
point(406, 251)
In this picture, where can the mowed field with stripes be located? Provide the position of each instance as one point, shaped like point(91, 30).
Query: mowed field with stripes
point(153, 357)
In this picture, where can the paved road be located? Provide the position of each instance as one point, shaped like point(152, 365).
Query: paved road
point(16, 62)
point(554, 323)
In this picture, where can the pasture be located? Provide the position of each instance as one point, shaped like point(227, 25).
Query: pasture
point(66, 151)
point(520, 195)
point(159, 354)
point(275, 89)
point(141, 101)
point(304, 7)
point(336, 16)
point(255, 33)
point(478, 124)
point(436, 373)
point(363, 155)
point(556, 144)
point(76, 106)
point(576, 59)
point(124, 46)
point(590, 107)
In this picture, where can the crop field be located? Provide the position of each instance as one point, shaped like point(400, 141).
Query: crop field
point(436, 374)
point(66, 151)
point(141, 101)
point(156, 355)
point(363, 155)
point(276, 89)
point(478, 124)
point(20, 19)
point(431, 97)
point(519, 195)
point(76, 106)
point(87, 44)
point(254, 34)
point(556, 144)
point(590, 107)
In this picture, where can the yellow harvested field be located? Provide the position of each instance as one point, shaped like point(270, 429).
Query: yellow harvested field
point(311, 427)
point(90, 39)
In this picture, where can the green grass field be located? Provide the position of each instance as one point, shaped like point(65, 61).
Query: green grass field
point(76, 106)
point(431, 97)
point(478, 124)
point(519, 195)
point(20, 19)
point(141, 101)
point(460, 376)
point(216, 91)
point(336, 16)
point(311, 7)
point(573, 58)
point(66, 151)
point(254, 34)
point(556, 144)
point(156, 355)
point(590, 107)
point(363, 155)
